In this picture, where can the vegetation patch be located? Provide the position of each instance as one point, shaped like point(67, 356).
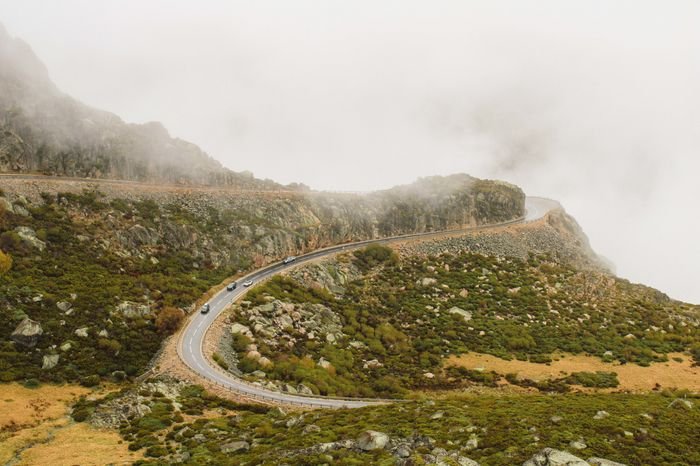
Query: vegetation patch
point(493, 430)
point(391, 330)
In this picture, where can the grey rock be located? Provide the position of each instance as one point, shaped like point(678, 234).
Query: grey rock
point(133, 310)
point(63, 305)
point(464, 461)
point(578, 444)
point(81, 332)
point(242, 329)
point(552, 457)
point(289, 389)
point(372, 440)
point(681, 403)
point(322, 362)
point(27, 333)
point(294, 421)
point(438, 415)
point(403, 451)
point(20, 210)
point(456, 310)
point(601, 415)
point(28, 235)
point(593, 461)
point(235, 447)
point(311, 429)
point(426, 281)
point(372, 364)
point(304, 390)
point(50, 361)
point(66, 346)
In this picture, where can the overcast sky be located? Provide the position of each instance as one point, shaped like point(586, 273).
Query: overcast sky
point(594, 103)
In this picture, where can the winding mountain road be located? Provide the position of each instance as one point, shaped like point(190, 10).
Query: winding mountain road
point(190, 344)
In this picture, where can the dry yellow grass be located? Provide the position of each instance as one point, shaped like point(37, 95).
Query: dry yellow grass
point(671, 374)
point(35, 428)
point(80, 444)
point(23, 406)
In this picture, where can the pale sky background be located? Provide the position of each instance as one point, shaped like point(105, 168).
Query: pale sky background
point(593, 103)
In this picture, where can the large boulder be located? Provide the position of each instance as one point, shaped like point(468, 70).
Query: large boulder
point(372, 440)
point(552, 457)
point(27, 333)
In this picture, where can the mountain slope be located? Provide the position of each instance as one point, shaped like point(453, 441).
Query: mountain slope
point(43, 130)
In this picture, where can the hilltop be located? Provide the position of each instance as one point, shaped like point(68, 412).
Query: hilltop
point(43, 130)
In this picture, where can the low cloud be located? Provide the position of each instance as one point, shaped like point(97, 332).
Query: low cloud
point(593, 103)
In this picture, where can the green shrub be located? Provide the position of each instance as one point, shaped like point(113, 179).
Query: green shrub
point(220, 361)
point(31, 383)
point(374, 255)
point(598, 379)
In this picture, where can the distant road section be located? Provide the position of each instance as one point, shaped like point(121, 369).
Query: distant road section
point(190, 345)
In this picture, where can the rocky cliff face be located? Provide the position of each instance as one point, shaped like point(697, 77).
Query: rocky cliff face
point(43, 130)
point(221, 228)
point(557, 236)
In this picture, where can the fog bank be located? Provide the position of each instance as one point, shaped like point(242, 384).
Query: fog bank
point(593, 103)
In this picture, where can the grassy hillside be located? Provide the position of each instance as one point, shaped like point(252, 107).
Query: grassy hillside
point(390, 329)
point(98, 277)
point(492, 430)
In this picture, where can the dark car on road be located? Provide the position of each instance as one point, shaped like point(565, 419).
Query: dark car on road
point(205, 308)
point(231, 286)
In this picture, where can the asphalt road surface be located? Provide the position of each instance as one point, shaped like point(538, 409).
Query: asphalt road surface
point(190, 345)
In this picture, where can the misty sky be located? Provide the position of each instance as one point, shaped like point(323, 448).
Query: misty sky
point(594, 103)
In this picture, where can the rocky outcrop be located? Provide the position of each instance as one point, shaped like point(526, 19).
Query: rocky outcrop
point(221, 228)
point(27, 333)
point(331, 275)
point(134, 405)
point(405, 450)
point(557, 236)
point(278, 322)
point(552, 457)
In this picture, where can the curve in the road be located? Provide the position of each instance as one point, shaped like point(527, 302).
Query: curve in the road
point(190, 345)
